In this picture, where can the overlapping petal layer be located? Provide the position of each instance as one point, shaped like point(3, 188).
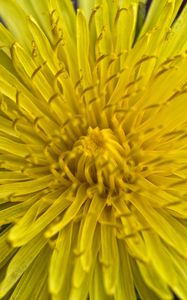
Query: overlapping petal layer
point(93, 155)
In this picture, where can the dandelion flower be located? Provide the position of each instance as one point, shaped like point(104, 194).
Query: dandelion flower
point(93, 150)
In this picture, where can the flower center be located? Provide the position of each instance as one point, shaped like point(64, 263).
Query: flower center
point(102, 159)
point(93, 144)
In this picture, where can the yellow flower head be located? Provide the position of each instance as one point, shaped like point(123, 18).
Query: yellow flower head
point(93, 150)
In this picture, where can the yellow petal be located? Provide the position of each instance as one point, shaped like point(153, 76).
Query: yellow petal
point(125, 289)
point(34, 278)
point(43, 45)
point(97, 290)
point(60, 260)
point(27, 68)
point(154, 281)
point(156, 10)
point(144, 291)
point(4, 246)
point(39, 13)
point(71, 212)
point(160, 259)
point(28, 226)
point(89, 225)
point(20, 262)
point(87, 6)
point(18, 17)
point(162, 227)
point(176, 41)
point(83, 40)
point(109, 250)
